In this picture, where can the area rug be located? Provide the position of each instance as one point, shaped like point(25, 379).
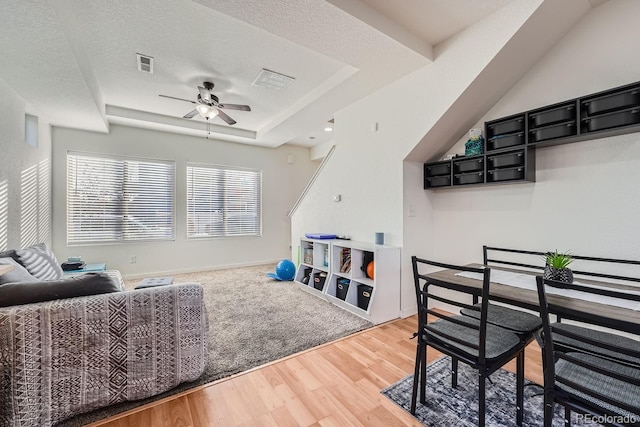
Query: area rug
point(252, 320)
point(449, 407)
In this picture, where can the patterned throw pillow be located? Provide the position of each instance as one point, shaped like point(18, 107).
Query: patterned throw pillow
point(17, 274)
point(40, 262)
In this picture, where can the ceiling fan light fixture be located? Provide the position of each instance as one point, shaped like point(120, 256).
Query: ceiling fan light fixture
point(207, 111)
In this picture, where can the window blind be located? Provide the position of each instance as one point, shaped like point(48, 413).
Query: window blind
point(113, 199)
point(223, 201)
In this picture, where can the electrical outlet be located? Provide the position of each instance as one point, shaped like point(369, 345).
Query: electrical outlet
point(132, 259)
point(412, 211)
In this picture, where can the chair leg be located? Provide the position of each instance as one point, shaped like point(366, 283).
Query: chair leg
point(454, 372)
point(520, 388)
point(416, 376)
point(548, 409)
point(481, 400)
point(567, 416)
point(423, 377)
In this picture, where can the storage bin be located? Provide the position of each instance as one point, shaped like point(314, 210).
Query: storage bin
point(471, 165)
point(612, 101)
point(342, 287)
point(469, 178)
point(437, 169)
point(554, 115)
point(612, 120)
point(555, 131)
point(506, 126)
point(505, 174)
point(306, 275)
point(515, 158)
point(319, 279)
point(503, 141)
point(364, 295)
point(437, 181)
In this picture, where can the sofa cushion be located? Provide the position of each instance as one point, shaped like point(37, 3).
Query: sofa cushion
point(17, 274)
point(40, 262)
point(44, 290)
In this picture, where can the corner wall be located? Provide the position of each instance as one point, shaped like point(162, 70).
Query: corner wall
point(585, 198)
point(25, 176)
point(281, 185)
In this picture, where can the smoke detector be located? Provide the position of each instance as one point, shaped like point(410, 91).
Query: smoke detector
point(145, 63)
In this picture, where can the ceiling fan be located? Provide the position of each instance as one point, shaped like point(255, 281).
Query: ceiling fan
point(208, 105)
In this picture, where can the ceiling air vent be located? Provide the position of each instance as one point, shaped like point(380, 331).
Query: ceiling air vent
point(145, 63)
point(272, 80)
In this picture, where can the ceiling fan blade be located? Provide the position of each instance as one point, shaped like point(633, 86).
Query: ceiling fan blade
point(204, 94)
point(235, 107)
point(226, 118)
point(179, 99)
point(190, 114)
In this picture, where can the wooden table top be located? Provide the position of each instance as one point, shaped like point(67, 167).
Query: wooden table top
point(529, 299)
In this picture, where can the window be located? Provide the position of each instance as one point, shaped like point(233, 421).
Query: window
point(31, 130)
point(115, 199)
point(223, 201)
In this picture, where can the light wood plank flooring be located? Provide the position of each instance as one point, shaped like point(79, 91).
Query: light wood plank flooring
point(337, 384)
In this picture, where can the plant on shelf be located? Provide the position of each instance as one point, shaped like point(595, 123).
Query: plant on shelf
point(557, 267)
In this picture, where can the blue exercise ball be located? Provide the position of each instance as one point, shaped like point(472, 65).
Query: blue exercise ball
point(285, 270)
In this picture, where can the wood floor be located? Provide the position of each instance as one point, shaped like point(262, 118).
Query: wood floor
point(337, 384)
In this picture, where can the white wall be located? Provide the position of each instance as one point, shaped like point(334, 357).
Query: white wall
point(282, 184)
point(366, 168)
point(25, 177)
point(585, 198)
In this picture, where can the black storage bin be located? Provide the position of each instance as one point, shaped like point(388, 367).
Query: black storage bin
point(515, 124)
point(556, 131)
point(342, 287)
point(503, 141)
point(437, 181)
point(437, 169)
point(469, 178)
point(471, 165)
point(364, 295)
point(554, 115)
point(319, 279)
point(612, 120)
point(507, 160)
point(505, 174)
point(612, 101)
point(306, 275)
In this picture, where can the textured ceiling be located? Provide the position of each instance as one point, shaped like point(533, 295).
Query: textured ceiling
point(74, 61)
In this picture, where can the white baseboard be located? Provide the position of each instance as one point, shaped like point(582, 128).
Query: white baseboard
point(198, 269)
point(407, 312)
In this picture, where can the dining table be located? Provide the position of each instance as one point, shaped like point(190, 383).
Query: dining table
point(517, 287)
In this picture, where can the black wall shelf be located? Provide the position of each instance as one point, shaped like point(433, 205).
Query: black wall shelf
point(509, 150)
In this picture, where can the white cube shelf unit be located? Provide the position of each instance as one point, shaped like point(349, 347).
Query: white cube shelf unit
point(316, 262)
point(383, 289)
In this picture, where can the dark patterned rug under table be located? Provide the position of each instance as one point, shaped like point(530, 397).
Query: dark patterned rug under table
point(449, 407)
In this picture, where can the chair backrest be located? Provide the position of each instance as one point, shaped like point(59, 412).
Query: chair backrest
point(424, 284)
point(524, 259)
point(593, 345)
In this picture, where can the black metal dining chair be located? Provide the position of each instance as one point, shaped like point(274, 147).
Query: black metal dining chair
point(588, 371)
point(475, 342)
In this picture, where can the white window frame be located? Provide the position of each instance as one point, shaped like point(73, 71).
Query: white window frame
point(130, 224)
point(212, 222)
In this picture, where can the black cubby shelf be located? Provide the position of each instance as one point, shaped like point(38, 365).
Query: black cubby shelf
point(511, 142)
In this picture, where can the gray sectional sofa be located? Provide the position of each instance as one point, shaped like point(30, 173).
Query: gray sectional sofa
point(62, 357)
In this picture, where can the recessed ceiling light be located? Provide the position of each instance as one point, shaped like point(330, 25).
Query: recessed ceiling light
point(272, 80)
point(328, 129)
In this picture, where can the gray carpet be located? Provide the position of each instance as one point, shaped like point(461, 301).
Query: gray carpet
point(449, 407)
point(253, 320)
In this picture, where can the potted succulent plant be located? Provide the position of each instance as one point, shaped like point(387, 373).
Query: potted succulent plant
point(556, 267)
